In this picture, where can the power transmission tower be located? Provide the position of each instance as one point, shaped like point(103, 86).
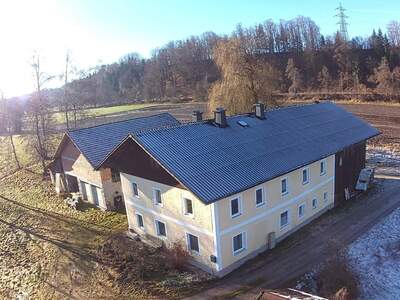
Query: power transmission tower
point(342, 22)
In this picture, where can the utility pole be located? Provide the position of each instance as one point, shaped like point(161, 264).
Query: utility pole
point(342, 22)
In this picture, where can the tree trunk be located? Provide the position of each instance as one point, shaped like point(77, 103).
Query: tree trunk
point(66, 116)
point(14, 152)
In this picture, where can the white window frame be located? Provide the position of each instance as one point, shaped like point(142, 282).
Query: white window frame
point(262, 194)
point(184, 205)
point(188, 243)
point(304, 210)
point(244, 243)
point(280, 219)
point(239, 213)
point(155, 199)
point(324, 164)
point(287, 186)
point(157, 231)
point(307, 169)
point(326, 199)
point(137, 221)
point(133, 190)
point(316, 203)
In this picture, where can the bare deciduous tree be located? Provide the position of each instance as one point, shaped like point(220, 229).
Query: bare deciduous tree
point(8, 129)
point(39, 109)
point(383, 77)
point(293, 74)
point(393, 30)
point(324, 79)
point(246, 79)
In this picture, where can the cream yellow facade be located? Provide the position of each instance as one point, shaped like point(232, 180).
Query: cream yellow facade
point(214, 224)
point(172, 213)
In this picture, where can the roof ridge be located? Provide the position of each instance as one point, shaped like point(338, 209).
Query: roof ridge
point(210, 121)
point(120, 121)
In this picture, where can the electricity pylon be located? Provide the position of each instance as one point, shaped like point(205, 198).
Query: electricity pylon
point(342, 22)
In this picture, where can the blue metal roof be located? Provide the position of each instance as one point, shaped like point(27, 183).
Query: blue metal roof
point(215, 162)
point(95, 143)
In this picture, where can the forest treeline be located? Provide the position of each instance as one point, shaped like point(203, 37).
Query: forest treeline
point(251, 64)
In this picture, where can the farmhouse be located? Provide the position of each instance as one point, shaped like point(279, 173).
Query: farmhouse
point(76, 162)
point(232, 187)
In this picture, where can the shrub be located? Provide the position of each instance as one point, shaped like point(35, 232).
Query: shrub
point(336, 280)
point(177, 256)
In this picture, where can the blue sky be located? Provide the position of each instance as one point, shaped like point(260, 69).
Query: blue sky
point(102, 31)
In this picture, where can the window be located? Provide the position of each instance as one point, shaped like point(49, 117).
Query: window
point(161, 229)
point(115, 177)
point(284, 186)
point(139, 221)
point(340, 161)
point(259, 197)
point(322, 167)
point(157, 197)
point(314, 203)
point(235, 207)
point(188, 207)
point(284, 219)
point(193, 243)
point(325, 196)
point(238, 243)
point(302, 210)
point(305, 176)
point(135, 189)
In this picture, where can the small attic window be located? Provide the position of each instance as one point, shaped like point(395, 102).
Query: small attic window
point(242, 123)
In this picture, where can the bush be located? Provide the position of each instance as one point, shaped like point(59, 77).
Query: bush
point(177, 256)
point(336, 280)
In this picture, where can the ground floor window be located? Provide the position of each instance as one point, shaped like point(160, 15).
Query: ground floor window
point(139, 221)
point(302, 209)
point(193, 243)
point(325, 196)
point(314, 203)
point(238, 243)
point(284, 219)
point(161, 229)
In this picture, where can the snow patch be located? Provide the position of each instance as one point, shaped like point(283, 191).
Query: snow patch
point(375, 257)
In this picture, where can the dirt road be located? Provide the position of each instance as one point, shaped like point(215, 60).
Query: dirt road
point(311, 245)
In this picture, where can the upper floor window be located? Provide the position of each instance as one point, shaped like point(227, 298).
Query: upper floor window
point(135, 190)
point(115, 177)
point(157, 197)
point(235, 207)
point(305, 175)
point(260, 197)
point(322, 167)
point(284, 186)
point(239, 243)
point(284, 220)
point(188, 206)
point(193, 243)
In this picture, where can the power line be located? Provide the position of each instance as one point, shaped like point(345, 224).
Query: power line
point(342, 22)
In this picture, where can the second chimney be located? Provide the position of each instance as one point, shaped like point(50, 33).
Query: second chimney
point(220, 117)
point(197, 116)
point(260, 111)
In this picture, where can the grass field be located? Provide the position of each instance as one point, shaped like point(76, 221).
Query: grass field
point(59, 117)
point(7, 162)
point(49, 251)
